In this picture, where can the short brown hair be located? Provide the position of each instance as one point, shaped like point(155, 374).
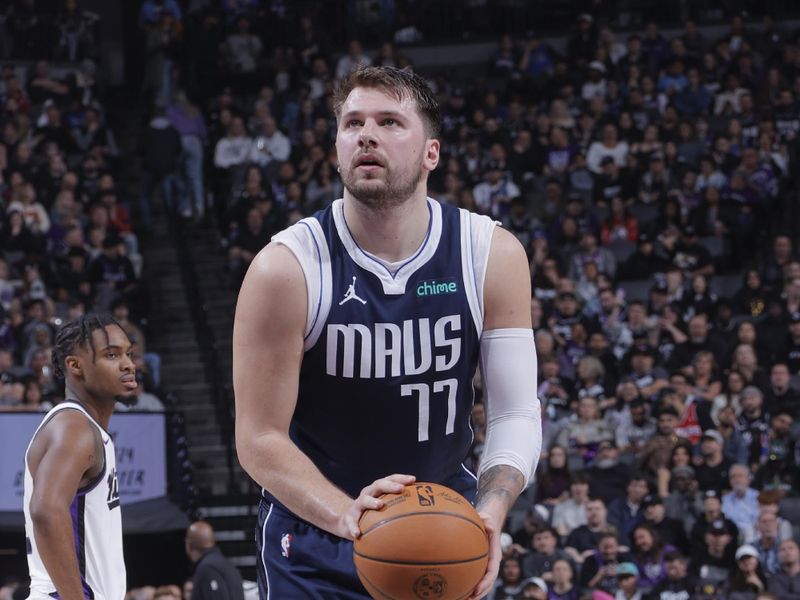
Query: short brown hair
point(398, 83)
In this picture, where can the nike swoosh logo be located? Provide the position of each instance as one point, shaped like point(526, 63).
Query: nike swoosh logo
point(105, 442)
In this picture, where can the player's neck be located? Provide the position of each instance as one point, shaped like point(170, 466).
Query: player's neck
point(99, 411)
point(392, 234)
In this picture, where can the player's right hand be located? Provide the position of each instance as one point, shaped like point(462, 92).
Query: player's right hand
point(369, 499)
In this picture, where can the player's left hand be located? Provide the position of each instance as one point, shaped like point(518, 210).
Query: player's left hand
point(493, 531)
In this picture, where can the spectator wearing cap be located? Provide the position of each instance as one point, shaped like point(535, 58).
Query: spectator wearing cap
point(711, 514)
point(608, 145)
point(747, 579)
point(670, 531)
point(628, 578)
point(596, 85)
point(644, 262)
point(779, 468)
point(571, 513)
point(607, 474)
point(111, 273)
point(753, 423)
point(534, 588)
point(691, 256)
point(620, 226)
point(658, 449)
point(714, 553)
point(712, 466)
point(599, 570)
point(546, 552)
point(785, 583)
point(494, 195)
point(625, 512)
point(649, 378)
point(583, 43)
point(678, 583)
point(740, 505)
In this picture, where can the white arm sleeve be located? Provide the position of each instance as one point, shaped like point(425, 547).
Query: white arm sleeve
point(513, 413)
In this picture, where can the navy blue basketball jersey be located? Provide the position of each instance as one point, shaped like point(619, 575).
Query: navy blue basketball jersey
point(390, 350)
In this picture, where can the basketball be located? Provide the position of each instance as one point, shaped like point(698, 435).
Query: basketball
point(427, 542)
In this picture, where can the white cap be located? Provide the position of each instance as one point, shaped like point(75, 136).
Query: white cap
point(505, 541)
point(539, 582)
point(597, 66)
point(746, 550)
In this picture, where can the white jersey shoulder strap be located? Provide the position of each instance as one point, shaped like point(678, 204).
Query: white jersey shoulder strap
point(306, 240)
point(476, 242)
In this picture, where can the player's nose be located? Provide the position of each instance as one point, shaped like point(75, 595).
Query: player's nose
point(367, 135)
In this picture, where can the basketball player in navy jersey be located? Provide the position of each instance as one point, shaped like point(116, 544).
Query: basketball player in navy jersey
point(72, 514)
point(356, 338)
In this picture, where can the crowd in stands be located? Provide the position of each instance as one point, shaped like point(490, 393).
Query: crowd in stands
point(650, 178)
point(67, 241)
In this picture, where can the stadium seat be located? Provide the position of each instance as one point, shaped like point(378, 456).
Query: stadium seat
point(644, 213)
point(716, 246)
point(636, 290)
point(622, 250)
point(726, 286)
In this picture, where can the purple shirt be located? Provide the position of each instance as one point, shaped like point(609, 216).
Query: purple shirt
point(185, 124)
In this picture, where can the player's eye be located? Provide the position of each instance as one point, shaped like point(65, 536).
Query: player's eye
point(112, 355)
point(353, 123)
point(389, 122)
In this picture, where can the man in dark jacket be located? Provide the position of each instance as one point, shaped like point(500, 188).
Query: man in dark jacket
point(215, 578)
point(161, 148)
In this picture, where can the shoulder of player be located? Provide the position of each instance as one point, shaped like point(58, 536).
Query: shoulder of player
point(71, 429)
point(506, 255)
point(70, 437)
point(274, 286)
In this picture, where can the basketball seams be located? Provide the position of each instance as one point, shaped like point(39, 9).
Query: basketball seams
point(427, 563)
point(422, 513)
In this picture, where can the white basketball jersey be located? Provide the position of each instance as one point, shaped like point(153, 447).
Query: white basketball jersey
point(96, 523)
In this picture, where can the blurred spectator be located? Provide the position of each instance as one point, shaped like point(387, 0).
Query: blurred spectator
point(571, 512)
point(187, 120)
point(625, 513)
point(747, 579)
point(670, 531)
point(161, 146)
point(541, 562)
point(599, 570)
point(786, 582)
point(677, 583)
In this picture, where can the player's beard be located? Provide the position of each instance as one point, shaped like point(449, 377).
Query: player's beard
point(127, 399)
point(396, 188)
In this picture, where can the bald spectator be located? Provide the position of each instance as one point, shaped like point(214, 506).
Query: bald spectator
point(215, 578)
point(740, 505)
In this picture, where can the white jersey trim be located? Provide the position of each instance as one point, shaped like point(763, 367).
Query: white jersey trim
point(306, 240)
point(393, 283)
point(476, 242)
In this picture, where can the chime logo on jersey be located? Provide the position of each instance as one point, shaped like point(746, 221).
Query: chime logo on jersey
point(392, 350)
point(436, 287)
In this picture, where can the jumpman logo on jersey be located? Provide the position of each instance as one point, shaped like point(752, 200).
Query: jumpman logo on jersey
point(350, 294)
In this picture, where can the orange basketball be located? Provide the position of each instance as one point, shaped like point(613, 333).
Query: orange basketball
point(425, 543)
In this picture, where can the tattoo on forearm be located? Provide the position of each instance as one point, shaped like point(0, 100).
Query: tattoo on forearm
point(501, 482)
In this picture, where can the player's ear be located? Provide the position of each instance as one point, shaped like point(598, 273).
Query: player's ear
point(432, 148)
point(73, 365)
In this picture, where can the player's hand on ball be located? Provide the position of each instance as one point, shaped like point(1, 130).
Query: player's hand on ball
point(369, 500)
point(493, 530)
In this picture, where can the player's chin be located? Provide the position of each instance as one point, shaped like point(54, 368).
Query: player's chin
point(127, 398)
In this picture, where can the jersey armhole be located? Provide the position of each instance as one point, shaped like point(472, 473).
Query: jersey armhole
point(306, 241)
point(476, 242)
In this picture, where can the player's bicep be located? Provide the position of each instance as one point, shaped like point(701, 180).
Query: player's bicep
point(507, 287)
point(268, 342)
point(66, 453)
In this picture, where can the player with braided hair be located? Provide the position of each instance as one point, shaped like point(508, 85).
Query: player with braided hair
point(72, 515)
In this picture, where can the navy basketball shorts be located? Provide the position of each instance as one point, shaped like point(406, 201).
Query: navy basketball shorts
point(297, 560)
